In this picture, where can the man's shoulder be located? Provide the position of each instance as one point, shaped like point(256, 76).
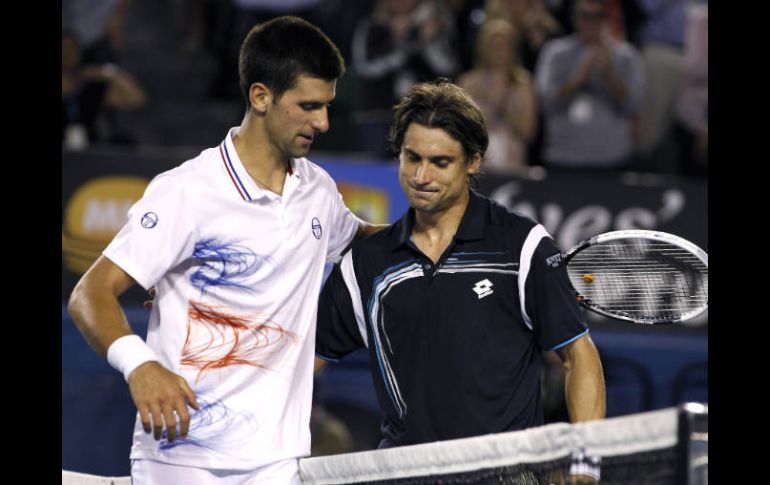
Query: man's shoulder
point(374, 248)
point(189, 168)
point(510, 221)
point(502, 215)
point(186, 174)
point(385, 238)
point(311, 170)
point(315, 177)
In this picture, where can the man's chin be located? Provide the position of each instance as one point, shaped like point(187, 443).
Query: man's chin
point(421, 205)
point(300, 152)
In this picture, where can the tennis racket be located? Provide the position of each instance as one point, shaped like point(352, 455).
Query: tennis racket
point(641, 276)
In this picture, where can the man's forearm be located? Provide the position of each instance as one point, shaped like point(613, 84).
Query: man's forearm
point(95, 308)
point(584, 382)
point(100, 319)
point(585, 396)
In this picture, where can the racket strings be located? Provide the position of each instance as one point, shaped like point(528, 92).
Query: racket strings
point(639, 278)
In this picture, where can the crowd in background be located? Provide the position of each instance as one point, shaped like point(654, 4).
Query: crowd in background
point(565, 84)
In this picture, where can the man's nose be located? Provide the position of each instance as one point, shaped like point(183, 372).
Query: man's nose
point(321, 121)
point(422, 174)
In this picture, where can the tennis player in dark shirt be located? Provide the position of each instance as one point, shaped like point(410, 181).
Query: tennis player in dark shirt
point(457, 300)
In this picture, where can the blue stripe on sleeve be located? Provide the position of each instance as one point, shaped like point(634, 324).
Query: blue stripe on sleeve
point(569, 341)
point(327, 359)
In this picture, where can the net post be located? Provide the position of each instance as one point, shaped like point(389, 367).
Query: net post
point(693, 444)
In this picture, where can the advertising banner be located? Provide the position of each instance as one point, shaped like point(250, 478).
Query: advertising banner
point(99, 188)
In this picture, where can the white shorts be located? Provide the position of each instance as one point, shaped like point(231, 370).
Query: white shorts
point(148, 472)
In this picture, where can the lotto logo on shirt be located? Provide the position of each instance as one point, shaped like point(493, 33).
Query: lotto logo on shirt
point(483, 288)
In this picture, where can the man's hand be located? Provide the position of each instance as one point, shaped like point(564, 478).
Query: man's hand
point(161, 396)
point(364, 229)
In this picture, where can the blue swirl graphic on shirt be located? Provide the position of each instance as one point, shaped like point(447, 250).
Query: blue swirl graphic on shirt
point(225, 265)
point(214, 426)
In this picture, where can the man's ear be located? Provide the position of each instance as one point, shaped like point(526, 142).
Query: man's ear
point(475, 164)
point(260, 97)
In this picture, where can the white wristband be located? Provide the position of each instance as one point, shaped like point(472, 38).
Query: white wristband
point(583, 464)
point(129, 352)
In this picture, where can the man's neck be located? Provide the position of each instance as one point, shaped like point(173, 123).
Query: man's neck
point(432, 232)
point(265, 166)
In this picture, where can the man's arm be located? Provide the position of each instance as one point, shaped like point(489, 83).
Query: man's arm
point(157, 393)
point(338, 330)
point(584, 380)
point(584, 390)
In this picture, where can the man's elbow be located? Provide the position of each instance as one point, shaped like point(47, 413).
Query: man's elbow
point(579, 352)
point(87, 292)
point(77, 300)
point(587, 353)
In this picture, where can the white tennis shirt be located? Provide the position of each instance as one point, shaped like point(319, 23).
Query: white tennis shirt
point(238, 271)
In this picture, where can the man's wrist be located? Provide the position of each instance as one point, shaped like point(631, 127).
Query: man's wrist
point(585, 465)
point(129, 352)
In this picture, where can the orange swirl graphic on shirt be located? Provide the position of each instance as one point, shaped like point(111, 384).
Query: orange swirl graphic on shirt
point(217, 339)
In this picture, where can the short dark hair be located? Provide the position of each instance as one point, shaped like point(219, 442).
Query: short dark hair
point(441, 104)
point(278, 51)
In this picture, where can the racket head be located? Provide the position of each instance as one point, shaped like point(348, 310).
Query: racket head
point(641, 276)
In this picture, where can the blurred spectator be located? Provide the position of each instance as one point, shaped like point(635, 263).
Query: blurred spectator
point(338, 19)
point(590, 86)
point(468, 17)
point(98, 26)
point(535, 26)
point(401, 43)
point(664, 22)
point(89, 92)
point(625, 18)
point(692, 104)
point(189, 19)
point(662, 38)
point(531, 20)
point(505, 92)
point(235, 18)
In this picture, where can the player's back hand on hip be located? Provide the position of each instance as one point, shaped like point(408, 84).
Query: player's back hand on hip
point(161, 397)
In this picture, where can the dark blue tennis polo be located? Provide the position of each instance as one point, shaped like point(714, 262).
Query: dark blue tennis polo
point(455, 347)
